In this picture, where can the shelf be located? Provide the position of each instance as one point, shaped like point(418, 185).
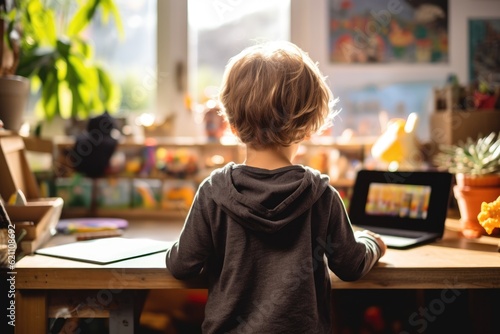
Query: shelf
point(69, 142)
point(126, 213)
point(317, 156)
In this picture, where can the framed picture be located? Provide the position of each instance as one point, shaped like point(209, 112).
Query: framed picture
point(484, 51)
point(388, 31)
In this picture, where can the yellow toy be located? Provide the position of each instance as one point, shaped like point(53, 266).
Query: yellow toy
point(178, 197)
point(397, 145)
point(489, 217)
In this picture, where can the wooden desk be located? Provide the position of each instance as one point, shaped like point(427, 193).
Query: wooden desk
point(453, 262)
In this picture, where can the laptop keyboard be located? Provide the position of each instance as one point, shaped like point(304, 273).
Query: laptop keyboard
point(396, 238)
point(394, 241)
point(389, 232)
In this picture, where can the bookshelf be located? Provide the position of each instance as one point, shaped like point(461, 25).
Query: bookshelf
point(119, 193)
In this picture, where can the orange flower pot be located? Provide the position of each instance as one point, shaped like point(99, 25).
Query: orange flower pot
point(489, 180)
point(469, 199)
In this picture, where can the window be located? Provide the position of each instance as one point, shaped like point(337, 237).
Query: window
point(132, 59)
point(219, 29)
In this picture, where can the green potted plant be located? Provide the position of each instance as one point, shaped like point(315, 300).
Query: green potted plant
point(58, 60)
point(476, 165)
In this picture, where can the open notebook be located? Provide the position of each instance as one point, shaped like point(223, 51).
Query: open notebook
point(107, 250)
point(406, 208)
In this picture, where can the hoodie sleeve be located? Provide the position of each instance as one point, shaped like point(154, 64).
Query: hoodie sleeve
point(350, 254)
point(187, 256)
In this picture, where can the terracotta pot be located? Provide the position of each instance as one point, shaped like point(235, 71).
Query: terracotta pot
point(14, 92)
point(490, 180)
point(469, 200)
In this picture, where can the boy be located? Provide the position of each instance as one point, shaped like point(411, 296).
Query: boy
point(260, 230)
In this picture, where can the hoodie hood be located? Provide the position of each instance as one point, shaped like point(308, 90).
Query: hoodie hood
point(266, 200)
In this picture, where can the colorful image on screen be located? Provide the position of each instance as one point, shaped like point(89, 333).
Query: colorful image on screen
point(398, 200)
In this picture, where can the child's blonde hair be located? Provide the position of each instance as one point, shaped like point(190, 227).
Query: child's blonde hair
point(273, 94)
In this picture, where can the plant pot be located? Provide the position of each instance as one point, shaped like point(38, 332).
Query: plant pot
point(489, 180)
point(469, 200)
point(14, 92)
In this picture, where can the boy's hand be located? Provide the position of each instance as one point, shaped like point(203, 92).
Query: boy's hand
point(381, 244)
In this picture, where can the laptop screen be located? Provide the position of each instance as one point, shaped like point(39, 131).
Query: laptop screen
point(398, 200)
point(413, 201)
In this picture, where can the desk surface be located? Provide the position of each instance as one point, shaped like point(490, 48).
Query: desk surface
point(452, 261)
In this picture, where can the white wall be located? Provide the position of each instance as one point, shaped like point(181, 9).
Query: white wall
point(310, 31)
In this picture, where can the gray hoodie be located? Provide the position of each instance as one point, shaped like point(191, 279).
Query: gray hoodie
point(266, 239)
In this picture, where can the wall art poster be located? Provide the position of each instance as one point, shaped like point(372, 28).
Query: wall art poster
point(388, 31)
point(484, 51)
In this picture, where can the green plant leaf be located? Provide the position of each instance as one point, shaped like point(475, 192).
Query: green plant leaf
point(474, 157)
point(79, 46)
point(10, 28)
point(88, 10)
point(78, 81)
point(50, 95)
point(110, 92)
point(30, 63)
point(9, 16)
point(63, 64)
point(96, 103)
point(109, 6)
point(44, 70)
point(66, 100)
point(63, 47)
point(40, 23)
point(494, 146)
point(35, 84)
point(82, 17)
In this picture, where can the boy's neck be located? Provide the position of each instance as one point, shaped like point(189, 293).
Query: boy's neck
point(270, 158)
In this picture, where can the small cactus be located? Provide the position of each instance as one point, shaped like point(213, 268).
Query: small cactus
point(472, 157)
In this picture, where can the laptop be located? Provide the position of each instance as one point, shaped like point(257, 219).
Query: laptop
point(407, 209)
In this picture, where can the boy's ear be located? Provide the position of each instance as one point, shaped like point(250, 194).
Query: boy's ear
point(233, 130)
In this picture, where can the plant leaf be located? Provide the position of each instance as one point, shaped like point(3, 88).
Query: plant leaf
point(110, 92)
point(82, 17)
point(78, 77)
point(50, 94)
point(30, 63)
point(110, 6)
point(40, 23)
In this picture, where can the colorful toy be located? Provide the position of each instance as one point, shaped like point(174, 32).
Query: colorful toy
point(398, 145)
point(214, 124)
point(178, 196)
point(146, 195)
point(178, 163)
point(489, 216)
point(149, 160)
